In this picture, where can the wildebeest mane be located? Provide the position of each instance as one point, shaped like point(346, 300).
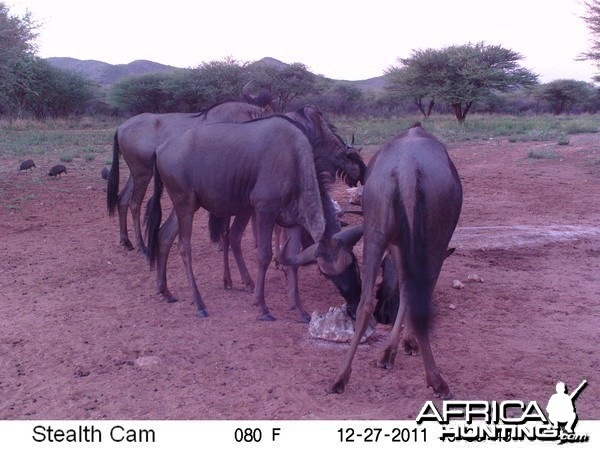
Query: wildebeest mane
point(316, 141)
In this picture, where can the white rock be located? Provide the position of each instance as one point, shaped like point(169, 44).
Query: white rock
point(335, 325)
point(456, 284)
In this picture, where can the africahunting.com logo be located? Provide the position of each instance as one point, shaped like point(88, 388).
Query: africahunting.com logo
point(510, 420)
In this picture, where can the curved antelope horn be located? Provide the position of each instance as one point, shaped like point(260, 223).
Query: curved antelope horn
point(349, 236)
point(303, 258)
point(246, 89)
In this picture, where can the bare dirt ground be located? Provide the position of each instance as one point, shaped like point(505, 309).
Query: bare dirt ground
point(83, 334)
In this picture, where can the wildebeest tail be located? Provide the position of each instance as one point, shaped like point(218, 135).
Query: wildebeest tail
point(414, 258)
point(112, 187)
point(154, 217)
point(216, 225)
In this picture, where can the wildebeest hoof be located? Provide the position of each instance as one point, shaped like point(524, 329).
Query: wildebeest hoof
point(227, 285)
point(441, 390)
point(386, 361)
point(250, 287)
point(410, 348)
point(337, 387)
point(202, 313)
point(443, 395)
point(266, 317)
point(305, 318)
point(127, 245)
point(171, 299)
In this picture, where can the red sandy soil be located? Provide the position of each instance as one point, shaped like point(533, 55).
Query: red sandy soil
point(84, 335)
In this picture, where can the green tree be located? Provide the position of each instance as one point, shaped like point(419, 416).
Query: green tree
point(206, 85)
point(286, 83)
point(17, 43)
point(592, 20)
point(563, 95)
point(145, 93)
point(460, 75)
point(405, 82)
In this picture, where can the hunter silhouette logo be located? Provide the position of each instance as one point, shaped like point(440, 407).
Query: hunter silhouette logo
point(561, 407)
point(508, 420)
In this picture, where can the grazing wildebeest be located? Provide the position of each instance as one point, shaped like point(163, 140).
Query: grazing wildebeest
point(325, 136)
point(138, 138)
point(27, 164)
point(57, 170)
point(266, 167)
point(411, 203)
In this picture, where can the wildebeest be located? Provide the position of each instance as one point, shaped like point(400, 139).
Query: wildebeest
point(137, 140)
point(411, 204)
point(57, 170)
point(27, 164)
point(325, 136)
point(266, 167)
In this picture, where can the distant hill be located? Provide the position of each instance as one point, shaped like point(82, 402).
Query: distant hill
point(106, 74)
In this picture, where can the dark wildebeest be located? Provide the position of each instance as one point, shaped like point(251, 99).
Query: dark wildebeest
point(27, 164)
point(267, 167)
point(325, 136)
point(137, 140)
point(411, 203)
point(57, 170)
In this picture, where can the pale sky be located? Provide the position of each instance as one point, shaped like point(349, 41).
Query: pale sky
point(339, 39)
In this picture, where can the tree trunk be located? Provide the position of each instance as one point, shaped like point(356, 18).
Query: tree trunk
point(431, 105)
point(419, 104)
point(457, 107)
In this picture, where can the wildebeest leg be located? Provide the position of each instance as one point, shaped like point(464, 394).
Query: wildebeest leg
point(264, 233)
point(166, 237)
point(410, 346)
point(140, 184)
point(374, 247)
point(227, 283)
point(124, 199)
point(254, 232)
point(388, 354)
point(294, 246)
point(277, 243)
point(185, 216)
point(432, 374)
point(235, 240)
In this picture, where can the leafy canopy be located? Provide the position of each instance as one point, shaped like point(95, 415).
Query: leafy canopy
point(459, 75)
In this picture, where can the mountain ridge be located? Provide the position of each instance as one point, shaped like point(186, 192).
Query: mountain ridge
point(106, 74)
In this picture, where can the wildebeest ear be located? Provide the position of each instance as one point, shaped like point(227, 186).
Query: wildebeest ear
point(450, 251)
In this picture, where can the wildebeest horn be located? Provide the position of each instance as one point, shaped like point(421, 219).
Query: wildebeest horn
point(246, 89)
point(303, 258)
point(349, 236)
point(352, 143)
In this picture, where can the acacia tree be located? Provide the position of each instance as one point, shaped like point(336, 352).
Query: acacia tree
point(286, 83)
point(17, 36)
point(141, 94)
point(592, 20)
point(405, 82)
point(459, 75)
point(563, 95)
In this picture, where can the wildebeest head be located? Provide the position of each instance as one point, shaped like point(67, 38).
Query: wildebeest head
point(334, 155)
point(336, 260)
